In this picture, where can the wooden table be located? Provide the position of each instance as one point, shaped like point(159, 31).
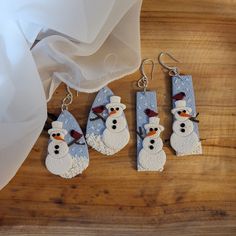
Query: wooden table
point(194, 195)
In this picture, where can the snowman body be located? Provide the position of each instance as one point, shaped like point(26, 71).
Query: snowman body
point(184, 140)
point(116, 135)
point(152, 157)
point(58, 160)
point(184, 144)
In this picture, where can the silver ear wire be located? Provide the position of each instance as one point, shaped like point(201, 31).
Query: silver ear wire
point(143, 81)
point(67, 100)
point(173, 70)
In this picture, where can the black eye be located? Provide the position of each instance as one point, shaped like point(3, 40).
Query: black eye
point(156, 129)
point(117, 108)
point(184, 111)
point(58, 134)
point(151, 129)
point(179, 112)
point(53, 135)
point(112, 109)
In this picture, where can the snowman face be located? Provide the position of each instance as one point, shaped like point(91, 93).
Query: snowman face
point(154, 131)
point(115, 111)
point(182, 115)
point(152, 145)
point(57, 135)
point(58, 149)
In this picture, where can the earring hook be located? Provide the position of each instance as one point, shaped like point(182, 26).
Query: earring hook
point(67, 100)
point(143, 81)
point(173, 70)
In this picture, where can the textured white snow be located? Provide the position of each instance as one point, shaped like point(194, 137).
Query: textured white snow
point(95, 141)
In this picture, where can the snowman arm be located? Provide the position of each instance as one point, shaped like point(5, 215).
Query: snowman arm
point(140, 136)
point(73, 141)
point(194, 118)
point(98, 116)
point(79, 143)
point(95, 118)
point(140, 133)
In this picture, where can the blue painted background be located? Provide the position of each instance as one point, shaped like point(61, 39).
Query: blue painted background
point(102, 98)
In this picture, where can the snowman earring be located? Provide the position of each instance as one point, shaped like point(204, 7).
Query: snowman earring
point(107, 129)
point(151, 156)
point(67, 150)
point(185, 137)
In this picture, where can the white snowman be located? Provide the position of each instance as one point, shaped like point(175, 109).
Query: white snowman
point(116, 135)
point(152, 157)
point(184, 139)
point(59, 161)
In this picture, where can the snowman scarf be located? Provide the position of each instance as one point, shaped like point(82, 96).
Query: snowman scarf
point(94, 43)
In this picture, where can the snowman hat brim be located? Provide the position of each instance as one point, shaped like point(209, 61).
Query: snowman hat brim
point(123, 106)
point(151, 125)
point(189, 109)
point(64, 131)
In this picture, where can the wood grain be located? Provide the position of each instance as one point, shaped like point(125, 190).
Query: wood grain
point(194, 195)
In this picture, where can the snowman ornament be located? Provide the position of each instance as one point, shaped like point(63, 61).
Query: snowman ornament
point(184, 140)
point(152, 156)
point(116, 134)
point(59, 161)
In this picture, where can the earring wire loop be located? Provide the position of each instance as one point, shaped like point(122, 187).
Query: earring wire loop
point(144, 80)
point(173, 70)
point(67, 100)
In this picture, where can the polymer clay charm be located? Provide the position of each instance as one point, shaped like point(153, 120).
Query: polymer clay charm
point(107, 129)
point(150, 153)
point(185, 137)
point(67, 150)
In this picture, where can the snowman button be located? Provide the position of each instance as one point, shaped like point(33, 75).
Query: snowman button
point(114, 121)
point(151, 147)
point(152, 141)
point(182, 130)
point(113, 126)
point(182, 124)
point(56, 146)
point(56, 152)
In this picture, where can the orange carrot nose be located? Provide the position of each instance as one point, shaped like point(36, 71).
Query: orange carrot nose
point(185, 115)
point(150, 133)
point(112, 112)
point(59, 138)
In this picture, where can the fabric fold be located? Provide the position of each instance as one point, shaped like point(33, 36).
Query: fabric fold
point(83, 43)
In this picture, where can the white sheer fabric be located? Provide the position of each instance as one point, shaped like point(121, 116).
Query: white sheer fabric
point(84, 43)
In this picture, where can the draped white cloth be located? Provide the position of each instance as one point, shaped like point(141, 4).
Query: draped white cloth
point(84, 43)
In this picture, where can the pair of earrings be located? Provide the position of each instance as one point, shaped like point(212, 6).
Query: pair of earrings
point(107, 129)
point(185, 136)
point(107, 132)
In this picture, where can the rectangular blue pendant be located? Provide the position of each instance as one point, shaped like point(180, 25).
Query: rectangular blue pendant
point(150, 156)
point(185, 137)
